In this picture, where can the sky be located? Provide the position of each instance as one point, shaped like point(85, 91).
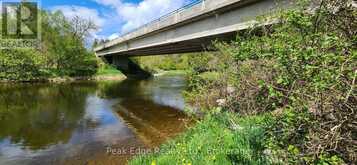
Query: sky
point(114, 17)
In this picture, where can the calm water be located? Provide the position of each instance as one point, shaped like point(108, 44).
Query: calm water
point(76, 123)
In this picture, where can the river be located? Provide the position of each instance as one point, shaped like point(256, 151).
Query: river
point(88, 122)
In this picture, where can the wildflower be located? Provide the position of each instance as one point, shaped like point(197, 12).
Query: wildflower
point(153, 162)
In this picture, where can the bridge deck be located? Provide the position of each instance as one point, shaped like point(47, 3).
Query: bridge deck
point(191, 29)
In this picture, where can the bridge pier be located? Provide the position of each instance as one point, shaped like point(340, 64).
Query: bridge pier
point(128, 67)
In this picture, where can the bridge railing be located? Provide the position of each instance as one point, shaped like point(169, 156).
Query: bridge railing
point(187, 6)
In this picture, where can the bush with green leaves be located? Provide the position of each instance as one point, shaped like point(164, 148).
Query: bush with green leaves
point(20, 65)
point(305, 63)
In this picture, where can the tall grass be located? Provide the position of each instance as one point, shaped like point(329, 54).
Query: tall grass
point(220, 138)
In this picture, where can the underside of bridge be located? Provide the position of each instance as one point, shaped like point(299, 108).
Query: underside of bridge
point(127, 66)
point(132, 70)
point(187, 46)
point(191, 30)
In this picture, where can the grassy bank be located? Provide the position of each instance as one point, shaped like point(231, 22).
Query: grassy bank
point(220, 138)
point(107, 70)
point(223, 138)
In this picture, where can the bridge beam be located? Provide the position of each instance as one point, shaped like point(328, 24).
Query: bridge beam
point(127, 66)
point(193, 29)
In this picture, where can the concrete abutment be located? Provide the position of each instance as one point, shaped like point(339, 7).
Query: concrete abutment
point(127, 66)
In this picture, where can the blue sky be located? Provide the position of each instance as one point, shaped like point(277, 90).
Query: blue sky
point(114, 17)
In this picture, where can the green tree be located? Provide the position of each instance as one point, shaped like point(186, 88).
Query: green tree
point(62, 51)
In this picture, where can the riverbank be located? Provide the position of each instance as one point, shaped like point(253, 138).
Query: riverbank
point(223, 137)
point(105, 73)
point(282, 100)
point(72, 79)
point(93, 78)
point(219, 138)
point(170, 72)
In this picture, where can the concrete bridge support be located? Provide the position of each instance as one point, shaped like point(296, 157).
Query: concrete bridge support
point(127, 66)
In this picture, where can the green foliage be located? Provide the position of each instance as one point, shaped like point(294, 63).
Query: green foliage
point(287, 132)
point(314, 63)
point(105, 69)
point(210, 74)
point(220, 138)
point(305, 65)
point(61, 53)
point(156, 64)
point(20, 64)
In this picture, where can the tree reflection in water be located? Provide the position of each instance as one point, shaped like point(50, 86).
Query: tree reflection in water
point(73, 123)
point(40, 115)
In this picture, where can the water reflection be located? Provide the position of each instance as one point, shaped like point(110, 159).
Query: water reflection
point(74, 123)
point(145, 105)
point(37, 118)
point(165, 90)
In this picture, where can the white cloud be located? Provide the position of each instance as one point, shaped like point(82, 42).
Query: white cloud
point(123, 16)
point(135, 15)
point(111, 3)
point(83, 12)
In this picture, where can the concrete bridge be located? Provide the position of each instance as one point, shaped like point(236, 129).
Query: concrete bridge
point(189, 29)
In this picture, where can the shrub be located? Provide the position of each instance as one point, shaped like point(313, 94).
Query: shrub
point(20, 64)
point(305, 63)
